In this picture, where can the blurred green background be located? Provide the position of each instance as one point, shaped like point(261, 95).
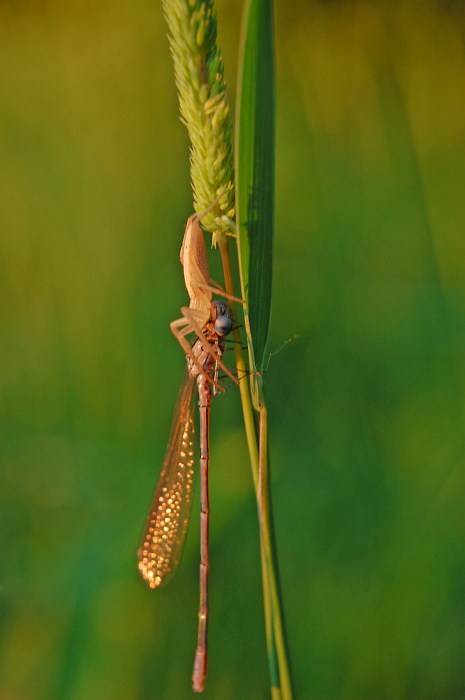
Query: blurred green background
point(366, 405)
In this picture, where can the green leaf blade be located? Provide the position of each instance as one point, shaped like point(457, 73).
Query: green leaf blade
point(255, 169)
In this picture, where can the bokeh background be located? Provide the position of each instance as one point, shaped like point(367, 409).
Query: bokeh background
point(366, 405)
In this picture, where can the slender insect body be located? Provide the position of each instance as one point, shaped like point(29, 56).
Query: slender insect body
point(199, 673)
point(166, 527)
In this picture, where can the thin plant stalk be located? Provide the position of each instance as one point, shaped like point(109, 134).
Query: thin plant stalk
point(223, 245)
point(271, 579)
point(281, 688)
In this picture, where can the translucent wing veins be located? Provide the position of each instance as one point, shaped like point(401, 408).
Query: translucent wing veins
point(166, 527)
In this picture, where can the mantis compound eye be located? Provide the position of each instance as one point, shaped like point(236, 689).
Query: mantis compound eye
point(223, 325)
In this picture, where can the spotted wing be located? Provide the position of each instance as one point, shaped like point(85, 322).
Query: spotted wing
point(166, 527)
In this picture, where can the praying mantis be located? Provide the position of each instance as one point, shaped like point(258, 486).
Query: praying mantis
point(199, 287)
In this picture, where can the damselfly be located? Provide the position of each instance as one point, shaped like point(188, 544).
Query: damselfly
point(166, 527)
